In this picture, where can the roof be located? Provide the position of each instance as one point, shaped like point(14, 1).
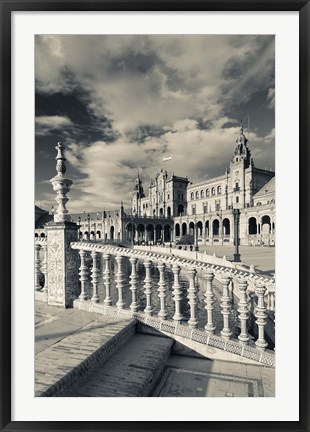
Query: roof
point(268, 188)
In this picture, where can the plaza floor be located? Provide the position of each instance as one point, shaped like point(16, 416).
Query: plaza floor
point(66, 337)
point(263, 258)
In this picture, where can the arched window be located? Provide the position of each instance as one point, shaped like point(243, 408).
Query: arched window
point(213, 191)
point(207, 193)
point(219, 190)
point(192, 195)
point(202, 194)
point(197, 194)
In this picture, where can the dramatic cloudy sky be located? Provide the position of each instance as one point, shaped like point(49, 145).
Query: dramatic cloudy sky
point(122, 103)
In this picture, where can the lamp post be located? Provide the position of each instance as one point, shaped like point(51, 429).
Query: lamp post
point(79, 219)
point(88, 219)
point(196, 235)
point(236, 213)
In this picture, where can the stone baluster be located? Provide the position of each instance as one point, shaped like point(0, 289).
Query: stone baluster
point(44, 267)
point(162, 291)
point(107, 279)
point(133, 284)
point(271, 297)
point(192, 297)
point(226, 307)
point(177, 293)
point(148, 287)
point(243, 309)
point(37, 267)
point(209, 301)
point(83, 275)
point(261, 316)
point(119, 282)
point(95, 277)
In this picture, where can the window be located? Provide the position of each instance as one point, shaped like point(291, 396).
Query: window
point(207, 193)
point(193, 210)
point(202, 194)
point(213, 191)
point(237, 200)
point(219, 190)
point(168, 196)
point(181, 197)
point(205, 208)
point(197, 194)
point(192, 195)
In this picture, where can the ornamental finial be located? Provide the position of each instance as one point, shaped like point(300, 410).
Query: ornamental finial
point(61, 186)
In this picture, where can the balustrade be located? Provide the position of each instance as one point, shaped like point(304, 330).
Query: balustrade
point(119, 282)
point(107, 279)
point(95, 277)
point(177, 293)
point(83, 275)
point(133, 284)
point(148, 287)
point(37, 267)
point(261, 316)
point(226, 307)
point(240, 282)
point(44, 267)
point(243, 309)
point(209, 301)
point(192, 297)
point(162, 291)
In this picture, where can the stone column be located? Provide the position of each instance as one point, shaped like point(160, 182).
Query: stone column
point(37, 267)
point(162, 291)
point(133, 284)
point(192, 297)
point(177, 293)
point(119, 282)
point(95, 276)
point(209, 301)
point(107, 280)
point(83, 275)
point(261, 316)
point(226, 307)
point(62, 261)
point(243, 309)
point(148, 287)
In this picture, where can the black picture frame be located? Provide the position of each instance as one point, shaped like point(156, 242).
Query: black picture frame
point(7, 7)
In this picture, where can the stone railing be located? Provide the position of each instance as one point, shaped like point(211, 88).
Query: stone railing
point(188, 254)
point(219, 263)
point(175, 324)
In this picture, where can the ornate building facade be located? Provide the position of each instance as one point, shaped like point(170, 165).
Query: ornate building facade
point(175, 210)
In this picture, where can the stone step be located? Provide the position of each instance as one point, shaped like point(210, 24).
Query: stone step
point(61, 365)
point(132, 371)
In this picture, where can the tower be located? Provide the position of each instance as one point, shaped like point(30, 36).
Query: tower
point(138, 193)
point(241, 172)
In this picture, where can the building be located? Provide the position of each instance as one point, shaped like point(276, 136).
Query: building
point(176, 210)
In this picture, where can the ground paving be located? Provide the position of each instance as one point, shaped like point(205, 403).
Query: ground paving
point(263, 258)
point(193, 377)
point(65, 338)
point(70, 342)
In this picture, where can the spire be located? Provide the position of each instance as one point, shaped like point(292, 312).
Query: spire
point(61, 186)
point(242, 152)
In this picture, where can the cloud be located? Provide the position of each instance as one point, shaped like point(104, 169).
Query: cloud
point(140, 80)
point(45, 125)
point(109, 170)
point(271, 98)
point(159, 95)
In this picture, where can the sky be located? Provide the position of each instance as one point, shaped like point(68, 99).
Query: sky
point(120, 104)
